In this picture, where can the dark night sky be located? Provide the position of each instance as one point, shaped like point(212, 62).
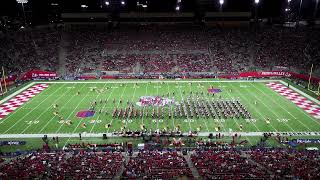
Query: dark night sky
point(267, 8)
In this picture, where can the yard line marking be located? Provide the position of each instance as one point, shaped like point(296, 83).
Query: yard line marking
point(102, 107)
point(172, 119)
point(20, 107)
point(253, 108)
point(68, 118)
point(143, 107)
point(256, 109)
point(73, 113)
point(44, 111)
point(48, 122)
point(230, 96)
point(201, 134)
point(110, 122)
point(134, 92)
point(282, 107)
point(300, 109)
point(17, 92)
point(182, 108)
point(268, 108)
point(28, 112)
point(154, 81)
point(220, 121)
point(301, 92)
point(204, 120)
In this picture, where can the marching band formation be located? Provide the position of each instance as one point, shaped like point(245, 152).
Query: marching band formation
point(189, 108)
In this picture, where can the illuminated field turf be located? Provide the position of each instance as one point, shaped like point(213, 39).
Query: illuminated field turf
point(36, 116)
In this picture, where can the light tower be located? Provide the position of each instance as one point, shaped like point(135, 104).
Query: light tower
point(221, 2)
point(256, 2)
point(22, 2)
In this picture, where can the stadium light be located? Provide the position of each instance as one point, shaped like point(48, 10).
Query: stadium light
point(123, 3)
point(84, 6)
point(221, 2)
point(256, 1)
point(23, 2)
point(107, 3)
point(177, 8)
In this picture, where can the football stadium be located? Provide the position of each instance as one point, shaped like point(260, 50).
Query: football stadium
point(170, 89)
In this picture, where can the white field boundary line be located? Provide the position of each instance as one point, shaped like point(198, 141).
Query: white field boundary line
point(18, 92)
point(182, 99)
point(71, 115)
point(88, 135)
point(32, 110)
point(73, 111)
point(45, 111)
point(144, 109)
point(301, 92)
point(105, 105)
point(269, 109)
point(276, 104)
point(146, 81)
point(48, 122)
point(234, 119)
point(254, 124)
point(117, 106)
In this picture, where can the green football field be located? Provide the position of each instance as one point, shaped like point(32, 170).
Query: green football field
point(36, 116)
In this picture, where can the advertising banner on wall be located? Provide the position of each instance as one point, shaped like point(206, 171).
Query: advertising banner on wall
point(39, 74)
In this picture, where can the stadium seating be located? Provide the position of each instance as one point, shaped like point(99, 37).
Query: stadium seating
point(212, 163)
point(161, 50)
point(63, 165)
point(157, 165)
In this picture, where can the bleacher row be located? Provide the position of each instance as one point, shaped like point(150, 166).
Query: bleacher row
point(160, 49)
point(215, 163)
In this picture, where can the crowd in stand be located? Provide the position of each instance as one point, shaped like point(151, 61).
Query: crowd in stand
point(161, 49)
point(228, 164)
point(216, 162)
point(157, 165)
point(63, 165)
point(285, 164)
point(29, 50)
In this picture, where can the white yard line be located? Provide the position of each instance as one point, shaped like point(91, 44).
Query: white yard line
point(281, 106)
point(118, 105)
point(30, 110)
point(172, 119)
point(134, 93)
point(146, 94)
point(253, 94)
point(182, 108)
point(102, 107)
point(204, 120)
point(248, 102)
point(16, 93)
point(230, 96)
point(256, 109)
point(308, 97)
point(43, 112)
point(157, 120)
point(301, 92)
point(201, 134)
point(153, 81)
point(65, 103)
point(73, 113)
point(78, 123)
